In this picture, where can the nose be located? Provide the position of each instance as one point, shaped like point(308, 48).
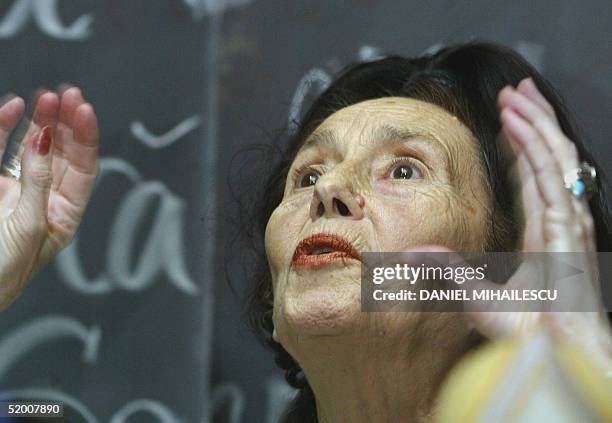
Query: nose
point(332, 199)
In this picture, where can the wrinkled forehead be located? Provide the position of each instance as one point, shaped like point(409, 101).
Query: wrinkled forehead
point(363, 121)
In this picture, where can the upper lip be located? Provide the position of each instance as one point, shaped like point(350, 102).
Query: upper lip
point(325, 240)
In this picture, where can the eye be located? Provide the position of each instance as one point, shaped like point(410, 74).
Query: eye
point(306, 177)
point(404, 169)
point(309, 179)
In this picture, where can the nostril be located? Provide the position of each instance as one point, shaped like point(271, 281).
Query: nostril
point(341, 207)
point(320, 210)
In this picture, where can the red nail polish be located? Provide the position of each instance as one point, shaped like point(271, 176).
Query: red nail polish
point(42, 144)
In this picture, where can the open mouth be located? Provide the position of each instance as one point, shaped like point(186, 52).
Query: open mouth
point(321, 249)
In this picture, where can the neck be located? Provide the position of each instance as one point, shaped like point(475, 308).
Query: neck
point(379, 377)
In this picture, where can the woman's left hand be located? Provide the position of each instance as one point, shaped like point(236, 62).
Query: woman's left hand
point(554, 221)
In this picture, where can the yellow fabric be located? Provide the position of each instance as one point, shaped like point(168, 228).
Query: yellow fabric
point(469, 386)
point(468, 389)
point(595, 388)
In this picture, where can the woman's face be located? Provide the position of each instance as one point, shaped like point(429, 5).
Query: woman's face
point(391, 173)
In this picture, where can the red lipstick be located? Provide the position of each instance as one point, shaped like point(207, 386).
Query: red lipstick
point(322, 248)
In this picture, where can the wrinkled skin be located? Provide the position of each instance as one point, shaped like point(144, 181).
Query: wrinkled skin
point(388, 366)
point(40, 213)
point(443, 202)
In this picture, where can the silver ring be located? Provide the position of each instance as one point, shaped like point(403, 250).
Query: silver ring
point(581, 181)
point(12, 170)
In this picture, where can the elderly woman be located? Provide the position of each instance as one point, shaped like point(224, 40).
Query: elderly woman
point(403, 154)
point(396, 155)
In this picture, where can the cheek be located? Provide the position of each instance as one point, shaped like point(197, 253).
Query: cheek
point(425, 215)
point(283, 231)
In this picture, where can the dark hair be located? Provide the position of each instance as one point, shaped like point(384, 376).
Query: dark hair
point(464, 79)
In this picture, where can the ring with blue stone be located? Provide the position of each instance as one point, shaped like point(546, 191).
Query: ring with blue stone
point(581, 181)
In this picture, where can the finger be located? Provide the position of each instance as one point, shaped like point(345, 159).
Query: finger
point(563, 150)
point(10, 114)
point(498, 324)
point(542, 162)
point(528, 206)
point(38, 92)
point(495, 318)
point(45, 114)
point(491, 318)
point(528, 87)
point(82, 153)
point(531, 202)
point(564, 230)
point(532, 206)
point(30, 216)
point(6, 98)
point(63, 87)
point(70, 100)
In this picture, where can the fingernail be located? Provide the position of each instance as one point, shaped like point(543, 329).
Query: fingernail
point(43, 141)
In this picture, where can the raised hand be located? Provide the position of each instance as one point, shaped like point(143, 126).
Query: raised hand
point(40, 213)
point(556, 221)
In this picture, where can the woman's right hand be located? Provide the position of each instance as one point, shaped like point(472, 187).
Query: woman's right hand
point(40, 213)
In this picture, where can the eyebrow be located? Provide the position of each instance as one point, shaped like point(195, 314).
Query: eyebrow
point(377, 135)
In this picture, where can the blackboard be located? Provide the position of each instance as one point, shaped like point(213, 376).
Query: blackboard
point(136, 321)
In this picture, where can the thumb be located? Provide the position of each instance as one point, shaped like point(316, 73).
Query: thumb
point(31, 212)
point(486, 317)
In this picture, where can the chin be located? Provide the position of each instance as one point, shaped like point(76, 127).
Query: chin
point(322, 303)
